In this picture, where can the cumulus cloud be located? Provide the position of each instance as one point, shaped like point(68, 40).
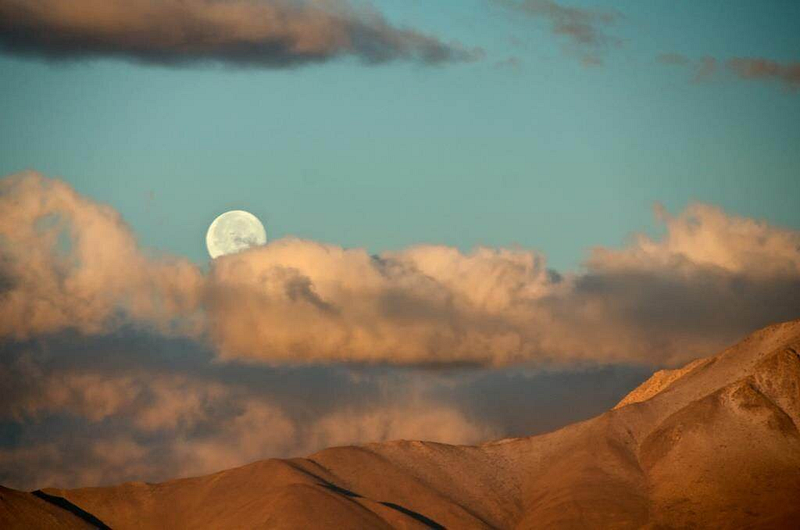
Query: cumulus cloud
point(259, 33)
point(712, 278)
point(69, 263)
point(426, 304)
point(704, 236)
point(584, 29)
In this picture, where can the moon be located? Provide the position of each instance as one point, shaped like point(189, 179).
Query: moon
point(233, 232)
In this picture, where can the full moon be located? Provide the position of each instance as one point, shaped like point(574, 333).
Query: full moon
point(233, 232)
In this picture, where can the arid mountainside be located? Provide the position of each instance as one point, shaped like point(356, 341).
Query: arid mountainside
point(712, 445)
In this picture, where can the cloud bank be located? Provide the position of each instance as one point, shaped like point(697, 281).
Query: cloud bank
point(71, 264)
point(154, 425)
point(258, 33)
point(81, 411)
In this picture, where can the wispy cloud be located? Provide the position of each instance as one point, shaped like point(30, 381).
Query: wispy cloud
point(704, 69)
point(584, 29)
point(676, 59)
point(258, 33)
point(743, 68)
point(786, 74)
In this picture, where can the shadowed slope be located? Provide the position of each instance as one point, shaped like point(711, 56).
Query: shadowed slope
point(29, 511)
point(715, 444)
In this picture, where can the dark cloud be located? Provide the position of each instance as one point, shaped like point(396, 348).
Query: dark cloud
point(258, 33)
point(583, 28)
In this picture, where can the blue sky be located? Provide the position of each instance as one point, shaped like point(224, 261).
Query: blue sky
point(551, 154)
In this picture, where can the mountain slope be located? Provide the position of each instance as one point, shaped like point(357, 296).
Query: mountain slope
point(715, 444)
point(19, 509)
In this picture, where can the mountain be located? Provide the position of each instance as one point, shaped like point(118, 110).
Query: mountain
point(712, 445)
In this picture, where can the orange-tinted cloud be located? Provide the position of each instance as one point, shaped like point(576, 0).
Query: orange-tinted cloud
point(710, 279)
point(268, 34)
point(69, 262)
point(300, 300)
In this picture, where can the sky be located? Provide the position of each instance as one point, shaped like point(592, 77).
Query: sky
point(544, 151)
point(486, 218)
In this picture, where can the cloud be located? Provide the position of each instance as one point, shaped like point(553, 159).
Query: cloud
point(787, 74)
point(257, 33)
point(696, 290)
point(99, 425)
point(705, 237)
point(68, 262)
point(258, 431)
point(426, 304)
point(704, 68)
point(712, 278)
point(71, 264)
point(583, 28)
point(748, 69)
point(88, 410)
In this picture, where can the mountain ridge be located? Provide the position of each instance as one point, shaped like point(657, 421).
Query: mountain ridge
point(712, 444)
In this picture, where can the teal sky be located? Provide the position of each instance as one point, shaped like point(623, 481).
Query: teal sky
point(551, 154)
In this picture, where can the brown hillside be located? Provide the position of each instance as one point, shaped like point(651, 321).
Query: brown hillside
point(714, 445)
